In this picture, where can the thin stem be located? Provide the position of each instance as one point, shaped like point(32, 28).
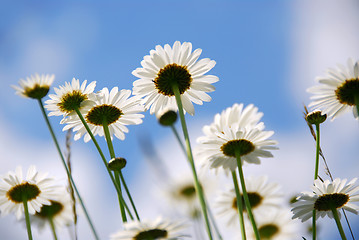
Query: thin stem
point(66, 168)
point(178, 139)
point(190, 158)
point(53, 230)
point(123, 214)
point(245, 195)
point(118, 190)
point(129, 195)
point(339, 225)
point(314, 218)
point(27, 218)
point(239, 205)
point(356, 100)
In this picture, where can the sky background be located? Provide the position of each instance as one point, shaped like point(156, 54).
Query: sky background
point(267, 52)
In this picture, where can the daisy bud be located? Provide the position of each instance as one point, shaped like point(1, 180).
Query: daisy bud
point(167, 117)
point(116, 164)
point(316, 117)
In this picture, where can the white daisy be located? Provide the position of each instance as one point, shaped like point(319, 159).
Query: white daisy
point(35, 87)
point(36, 188)
point(338, 194)
point(59, 211)
point(275, 225)
point(158, 229)
point(165, 67)
point(263, 197)
point(219, 148)
point(69, 97)
point(338, 91)
point(117, 108)
point(235, 116)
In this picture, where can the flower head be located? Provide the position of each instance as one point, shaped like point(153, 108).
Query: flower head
point(315, 117)
point(166, 67)
point(35, 87)
point(263, 197)
point(69, 97)
point(59, 211)
point(115, 108)
point(158, 229)
point(220, 148)
point(325, 197)
point(338, 91)
point(36, 189)
point(275, 225)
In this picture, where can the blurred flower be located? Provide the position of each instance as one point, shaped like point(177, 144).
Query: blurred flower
point(36, 188)
point(69, 97)
point(218, 149)
point(338, 91)
point(263, 197)
point(35, 87)
point(116, 108)
point(167, 116)
point(275, 225)
point(167, 66)
point(158, 229)
point(337, 194)
point(59, 211)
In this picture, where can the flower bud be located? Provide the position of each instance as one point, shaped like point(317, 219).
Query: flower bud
point(116, 164)
point(316, 117)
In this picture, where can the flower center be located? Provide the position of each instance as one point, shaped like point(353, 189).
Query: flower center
point(36, 91)
point(242, 145)
point(49, 211)
point(103, 113)
point(172, 74)
point(23, 192)
point(268, 231)
point(254, 199)
point(151, 234)
point(188, 191)
point(327, 201)
point(347, 91)
point(71, 101)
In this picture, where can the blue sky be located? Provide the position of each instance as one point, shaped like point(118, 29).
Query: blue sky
point(267, 53)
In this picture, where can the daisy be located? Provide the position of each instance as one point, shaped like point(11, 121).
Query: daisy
point(69, 97)
point(275, 225)
point(158, 229)
point(325, 197)
point(219, 149)
point(263, 197)
point(115, 108)
point(315, 117)
point(167, 116)
point(36, 189)
point(35, 87)
point(338, 91)
point(235, 116)
point(59, 212)
point(166, 67)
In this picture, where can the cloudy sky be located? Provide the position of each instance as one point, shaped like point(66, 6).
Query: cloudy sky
point(267, 52)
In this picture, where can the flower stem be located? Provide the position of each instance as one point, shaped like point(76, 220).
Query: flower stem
point(67, 169)
point(208, 208)
point(129, 195)
point(27, 218)
point(239, 205)
point(337, 221)
point(245, 195)
point(117, 179)
point(118, 190)
point(190, 158)
point(356, 100)
point(314, 218)
point(53, 230)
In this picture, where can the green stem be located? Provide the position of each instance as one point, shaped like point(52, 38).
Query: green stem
point(129, 195)
point(314, 218)
point(339, 225)
point(117, 179)
point(178, 139)
point(69, 175)
point(190, 158)
point(245, 195)
point(239, 205)
point(118, 190)
point(356, 100)
point(53, 230)
point(27, 218)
